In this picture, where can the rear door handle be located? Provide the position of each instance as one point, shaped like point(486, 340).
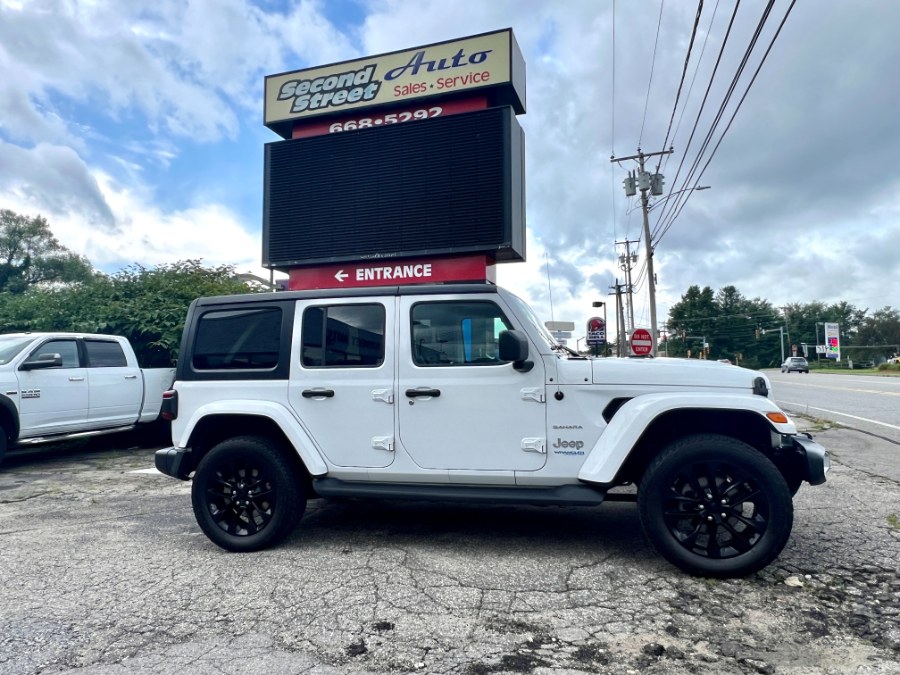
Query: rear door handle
point(76, 379)
point(317, 393)
point(414, 393)
point(131, 377)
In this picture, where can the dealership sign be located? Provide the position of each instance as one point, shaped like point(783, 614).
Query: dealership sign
point(490, 61)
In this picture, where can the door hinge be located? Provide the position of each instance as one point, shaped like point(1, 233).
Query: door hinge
point(386, 395)
point(385, 443)
point(533, 394)
point(534, 445)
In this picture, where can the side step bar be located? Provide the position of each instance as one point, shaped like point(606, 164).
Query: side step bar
point(569, 495)
point(57, 438)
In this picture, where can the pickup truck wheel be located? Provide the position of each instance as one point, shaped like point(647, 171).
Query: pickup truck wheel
point(245, 495)
point(715, 506)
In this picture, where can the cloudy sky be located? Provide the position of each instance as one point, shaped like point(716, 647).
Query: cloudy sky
point(136, 129)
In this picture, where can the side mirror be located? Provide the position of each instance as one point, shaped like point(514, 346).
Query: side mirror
point(42, 361)
point(513, 347)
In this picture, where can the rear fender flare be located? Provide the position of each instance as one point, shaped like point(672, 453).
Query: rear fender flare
point(635, 416)
point(292, 428)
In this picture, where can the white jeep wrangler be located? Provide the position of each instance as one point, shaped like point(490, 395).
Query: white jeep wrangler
point(458, 393)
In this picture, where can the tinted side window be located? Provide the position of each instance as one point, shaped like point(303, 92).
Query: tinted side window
point(238, 339)
point(68, 349)
point(343, 336)
point(457, 333)
point(105, 354)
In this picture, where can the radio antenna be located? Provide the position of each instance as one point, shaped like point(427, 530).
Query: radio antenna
point(549, 287)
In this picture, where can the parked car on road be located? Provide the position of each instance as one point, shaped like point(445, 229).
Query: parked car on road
point(797, 363)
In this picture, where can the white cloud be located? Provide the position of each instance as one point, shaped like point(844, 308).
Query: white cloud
point(112, 115)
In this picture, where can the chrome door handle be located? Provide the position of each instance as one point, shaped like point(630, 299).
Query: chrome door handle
point(76, 379)
point(131, 377)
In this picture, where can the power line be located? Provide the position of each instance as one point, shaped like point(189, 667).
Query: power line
point(705, 144)
point(737, 108)
point(652, 66)
point(612, 127)
point(702, 104)
point(694, 77)
point(687, 60)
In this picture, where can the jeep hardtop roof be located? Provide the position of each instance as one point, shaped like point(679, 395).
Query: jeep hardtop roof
point(370, 291)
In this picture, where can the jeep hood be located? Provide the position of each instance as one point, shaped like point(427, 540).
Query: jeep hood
point(670, 372)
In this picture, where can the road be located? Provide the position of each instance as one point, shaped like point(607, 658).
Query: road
point(864, 405)
point(863, 400)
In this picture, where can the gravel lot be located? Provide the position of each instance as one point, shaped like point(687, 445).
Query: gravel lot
point(104, 571)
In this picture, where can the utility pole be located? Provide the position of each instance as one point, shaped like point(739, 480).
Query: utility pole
point(620, 320)
point(626, 262)
point(646, 183)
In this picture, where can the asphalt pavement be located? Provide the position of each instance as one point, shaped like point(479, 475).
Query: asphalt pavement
point(104, 571)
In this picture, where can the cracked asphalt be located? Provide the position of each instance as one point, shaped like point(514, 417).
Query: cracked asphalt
point(104, 571)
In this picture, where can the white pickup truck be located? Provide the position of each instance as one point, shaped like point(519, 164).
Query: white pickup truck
point(459, 393)
point(58, 386)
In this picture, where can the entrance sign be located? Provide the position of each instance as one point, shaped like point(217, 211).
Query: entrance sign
point(641, 342)
point(393, 273)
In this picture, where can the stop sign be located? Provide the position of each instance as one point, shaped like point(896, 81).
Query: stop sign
point(641, 342)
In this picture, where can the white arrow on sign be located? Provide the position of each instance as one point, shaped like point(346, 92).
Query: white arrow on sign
point(341, 275)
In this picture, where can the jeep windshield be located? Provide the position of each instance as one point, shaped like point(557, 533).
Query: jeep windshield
point(527, 314)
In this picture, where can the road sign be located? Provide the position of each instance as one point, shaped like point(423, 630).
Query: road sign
point(596, 331)
point(641, 342)
point(560, 325)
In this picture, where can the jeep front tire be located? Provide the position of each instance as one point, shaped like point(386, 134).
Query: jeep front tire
point(715, 506)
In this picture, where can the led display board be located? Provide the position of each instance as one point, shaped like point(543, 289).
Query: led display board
point(439, 186)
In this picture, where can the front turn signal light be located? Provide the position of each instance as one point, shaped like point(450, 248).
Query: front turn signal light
point(777, 417)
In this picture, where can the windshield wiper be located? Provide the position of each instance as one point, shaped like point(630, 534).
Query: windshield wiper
point(563, 348)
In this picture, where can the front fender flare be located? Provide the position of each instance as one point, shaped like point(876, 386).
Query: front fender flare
point(634, 417)
point(290, 426)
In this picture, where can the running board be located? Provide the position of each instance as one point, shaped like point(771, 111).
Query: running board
point(57, 438)
point(569, 495)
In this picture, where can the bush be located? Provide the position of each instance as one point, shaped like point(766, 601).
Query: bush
point(148, 306)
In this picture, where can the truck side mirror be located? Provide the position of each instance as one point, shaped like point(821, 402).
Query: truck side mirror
point(514, 347)
point(42, 361)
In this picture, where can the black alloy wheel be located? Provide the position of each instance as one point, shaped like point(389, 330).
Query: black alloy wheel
point(715, 506)
point(245, 495)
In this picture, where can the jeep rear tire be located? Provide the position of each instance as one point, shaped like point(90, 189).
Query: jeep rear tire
point(245, 494)
point(715, 506)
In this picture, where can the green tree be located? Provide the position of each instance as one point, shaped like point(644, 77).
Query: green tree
point(148, 306)
point(805, 325)
point(689, 321)
point(31, 255)
point(728, 323)
point(881, 330)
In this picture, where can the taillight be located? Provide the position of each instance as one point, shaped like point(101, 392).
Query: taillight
point(169, 409)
